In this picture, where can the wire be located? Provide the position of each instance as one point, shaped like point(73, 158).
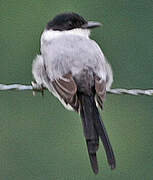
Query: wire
point(36, 87)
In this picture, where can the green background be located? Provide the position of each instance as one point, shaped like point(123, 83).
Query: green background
point(39, 139)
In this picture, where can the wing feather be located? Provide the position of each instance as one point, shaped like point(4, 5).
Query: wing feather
point(67, 90)
point(100, 87)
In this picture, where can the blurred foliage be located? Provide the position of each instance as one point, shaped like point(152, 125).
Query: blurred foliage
point(39, 139)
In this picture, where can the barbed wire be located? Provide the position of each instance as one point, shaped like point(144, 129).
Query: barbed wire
point(36, 87)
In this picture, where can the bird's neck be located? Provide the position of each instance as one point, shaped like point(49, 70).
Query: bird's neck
point(48, 35)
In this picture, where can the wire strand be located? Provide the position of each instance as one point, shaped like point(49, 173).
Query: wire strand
point(36, 87)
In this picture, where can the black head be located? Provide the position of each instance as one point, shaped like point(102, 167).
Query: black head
point(68, 21)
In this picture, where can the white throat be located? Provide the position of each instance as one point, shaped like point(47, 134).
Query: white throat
point(48, 35)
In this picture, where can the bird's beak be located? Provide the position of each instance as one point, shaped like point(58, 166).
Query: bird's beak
point(91, 24)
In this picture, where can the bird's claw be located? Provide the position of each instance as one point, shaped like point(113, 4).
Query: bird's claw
point(37, 88)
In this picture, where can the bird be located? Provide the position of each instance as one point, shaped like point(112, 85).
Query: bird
point(74, 69)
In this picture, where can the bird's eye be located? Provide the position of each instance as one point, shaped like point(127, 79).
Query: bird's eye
point(69, 23)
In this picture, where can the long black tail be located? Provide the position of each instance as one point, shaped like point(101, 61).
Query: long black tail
point(93, 129)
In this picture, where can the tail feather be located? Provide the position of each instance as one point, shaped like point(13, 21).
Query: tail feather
point(93, 129)
point(92, 138)
point(94, 163)
point(101, 130)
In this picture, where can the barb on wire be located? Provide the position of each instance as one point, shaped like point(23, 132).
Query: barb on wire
point(36, 87)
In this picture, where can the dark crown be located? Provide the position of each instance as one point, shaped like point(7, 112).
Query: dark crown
point(66, 21)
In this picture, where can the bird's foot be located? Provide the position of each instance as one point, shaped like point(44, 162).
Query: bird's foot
point(37, 88)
